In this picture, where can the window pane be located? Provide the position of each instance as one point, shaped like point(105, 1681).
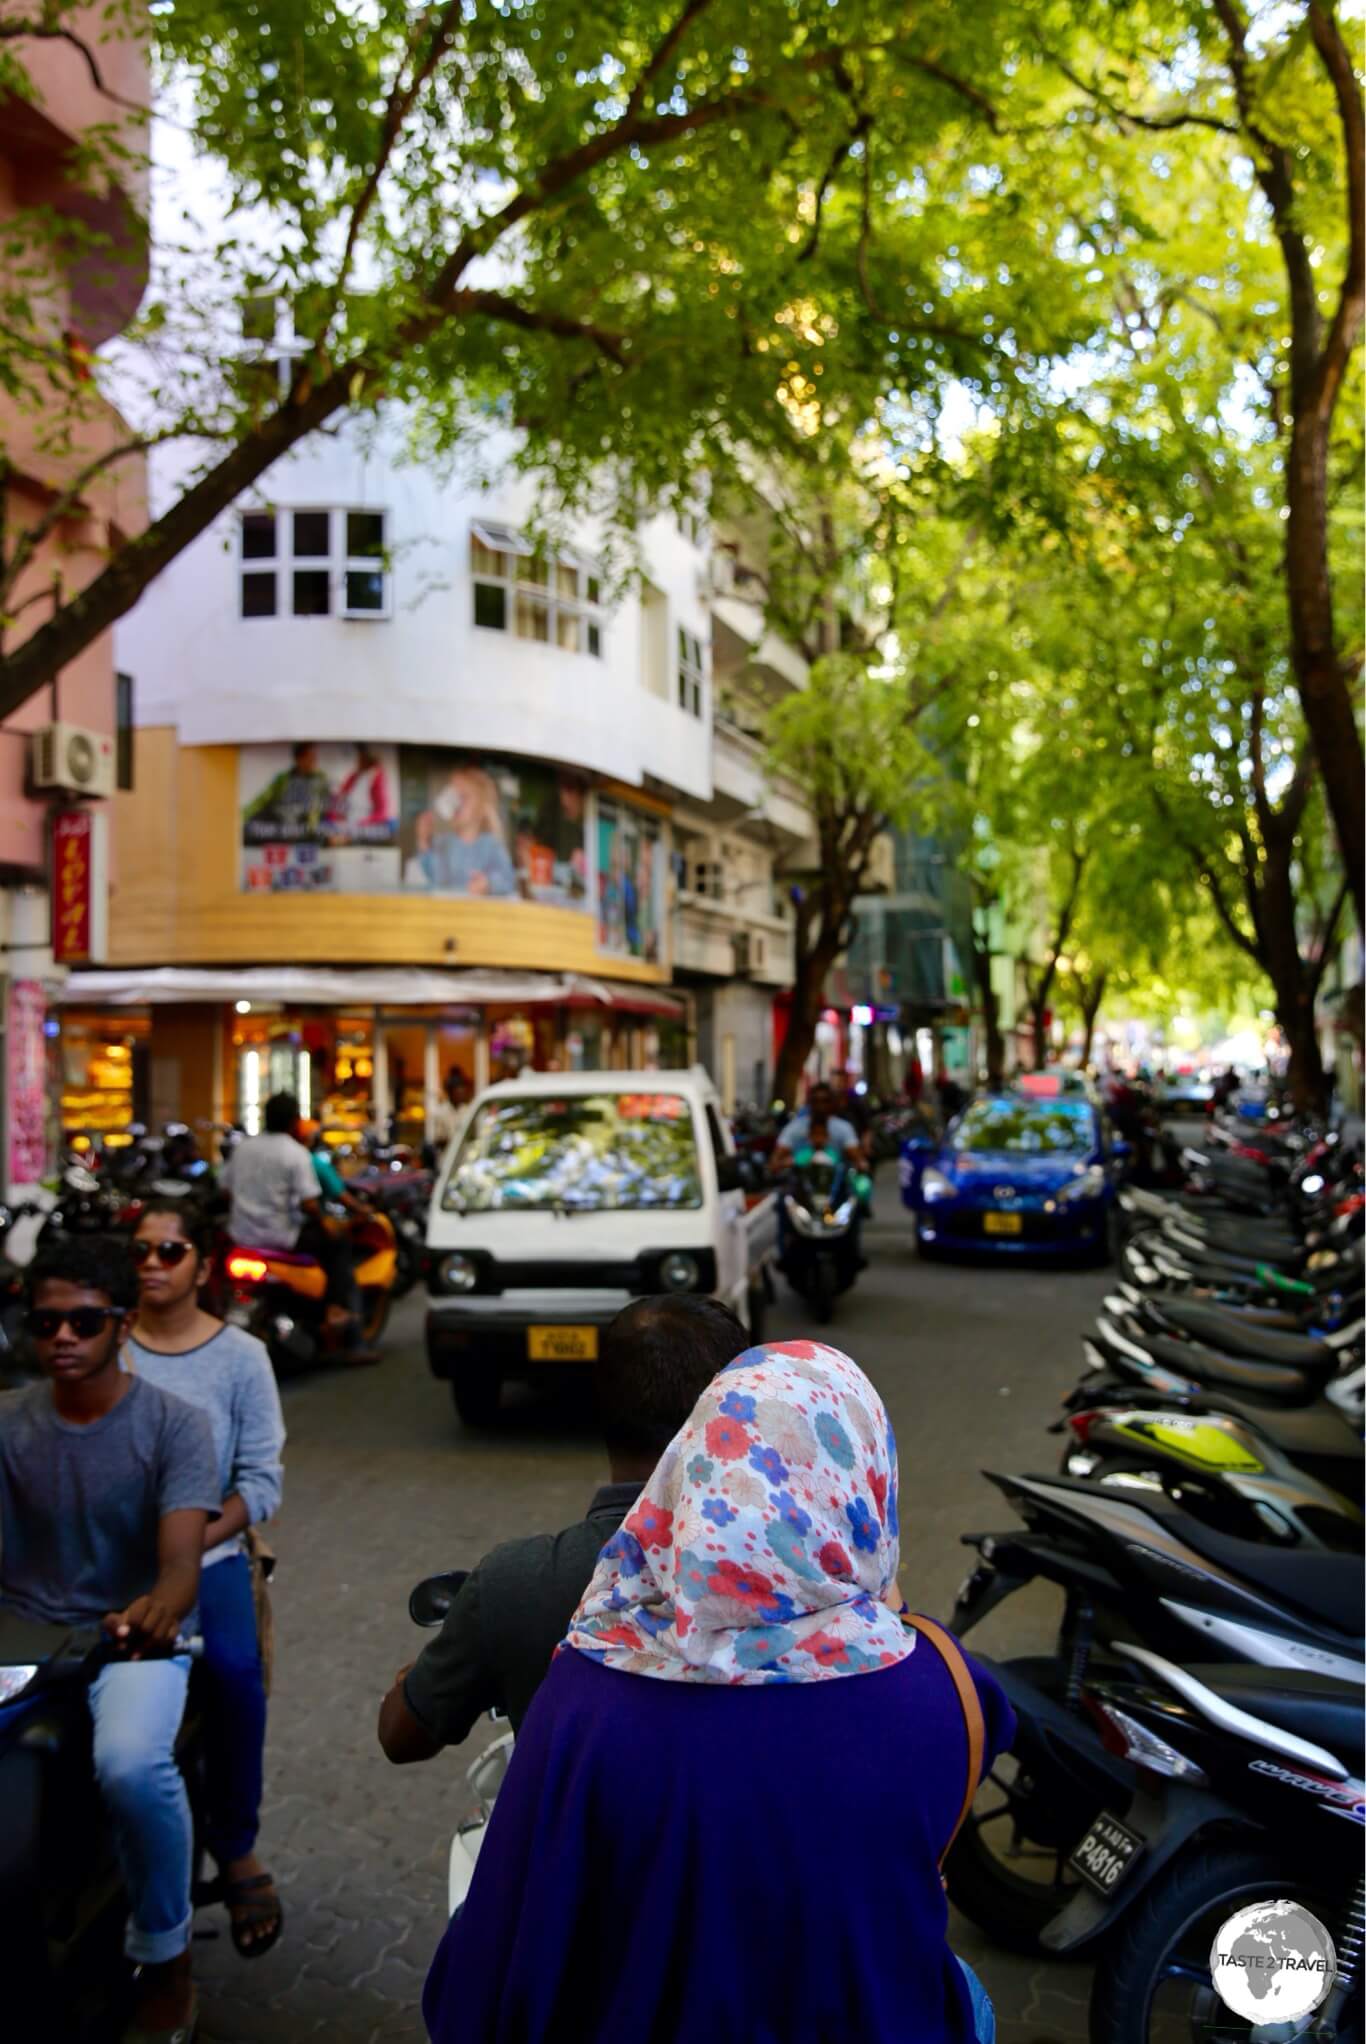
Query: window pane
point(311, 529)
point(364, 535)
point(535, 571)
point(365, 589)
point(491, 606)
point(567, 630)
point(594, 589)
point(533, 618)
point(258, 535)
point(566, 578)
point(258, 595)
point(485, 561)
point(312, 594)
point(595, 639)
point(258, 316)
point(682, 643)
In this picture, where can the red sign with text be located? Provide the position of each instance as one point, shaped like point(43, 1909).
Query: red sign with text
point(73, 886)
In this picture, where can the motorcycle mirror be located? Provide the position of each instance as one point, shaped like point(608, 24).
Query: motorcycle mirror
point(433, 1597)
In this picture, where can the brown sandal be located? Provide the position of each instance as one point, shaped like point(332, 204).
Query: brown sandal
point(247, 1908)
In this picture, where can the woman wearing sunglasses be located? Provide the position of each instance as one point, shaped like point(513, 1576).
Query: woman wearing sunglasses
point(176, 1344)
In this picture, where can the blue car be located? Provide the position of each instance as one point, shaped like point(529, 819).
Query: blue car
point(1016, 1172)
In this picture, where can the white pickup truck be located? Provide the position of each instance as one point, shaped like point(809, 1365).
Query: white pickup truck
point(566, 1196)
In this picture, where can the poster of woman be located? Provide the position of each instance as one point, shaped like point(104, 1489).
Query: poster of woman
point(501, 829)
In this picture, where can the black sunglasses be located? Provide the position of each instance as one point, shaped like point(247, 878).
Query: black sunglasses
point(45, 1322)
point(170, 1253)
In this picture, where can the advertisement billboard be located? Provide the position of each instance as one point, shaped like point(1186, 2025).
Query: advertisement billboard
point(319, 817)
point(630, 881)
point(505, 829)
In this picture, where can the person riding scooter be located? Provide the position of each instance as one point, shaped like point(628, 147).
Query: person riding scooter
point(276, 1203)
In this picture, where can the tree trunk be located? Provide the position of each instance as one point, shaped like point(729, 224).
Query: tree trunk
point(1294, 978)
point(1038, 1011)
point(991, 1013)
point(1319, 674)
point(1091, 998)
point(808, 998)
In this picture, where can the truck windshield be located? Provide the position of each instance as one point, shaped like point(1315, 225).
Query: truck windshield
point(580, 1153)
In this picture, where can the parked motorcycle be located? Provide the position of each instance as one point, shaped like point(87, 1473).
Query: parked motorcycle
point(280, 1295)
point(402, 1189)
point(62, 1906)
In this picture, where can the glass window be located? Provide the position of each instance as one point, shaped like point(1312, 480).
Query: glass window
point(692, 672)
point(584, 1153)
point(566, 578)
point(535, 571)
point(364, 589)
point(1028, 1127)
point(258, 535)
point(567, 630)
point(312, 592)
point(312, 534)
point(258, 595)
point(595, 639)
point(491, 606)
point(364, 535)
point(533, 617)
point(486, 562)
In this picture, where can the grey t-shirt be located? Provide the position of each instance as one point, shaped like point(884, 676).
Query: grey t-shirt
point(80, 1506)
point(230, 1379)
point(269, 1178)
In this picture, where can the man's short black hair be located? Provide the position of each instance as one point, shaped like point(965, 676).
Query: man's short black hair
point(282, 1114)
point(658, 1357)
point(97, 1263)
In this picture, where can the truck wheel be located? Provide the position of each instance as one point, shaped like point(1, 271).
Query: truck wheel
point(476, 1396)
point(758, 1309)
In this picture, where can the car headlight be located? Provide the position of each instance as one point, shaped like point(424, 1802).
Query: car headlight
point(459, 1273)
point(936, 1185)
point(14, 1681)
point(802, 1221)
point(1090, 1185)
point(678, 1272)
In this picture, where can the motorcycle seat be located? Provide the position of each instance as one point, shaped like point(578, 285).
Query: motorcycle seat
point(1210, 1366)
point(298, 1257)
point(1224, 1331)
point(1325, 1587)
point(1250, 1238)
point(1320, 1708)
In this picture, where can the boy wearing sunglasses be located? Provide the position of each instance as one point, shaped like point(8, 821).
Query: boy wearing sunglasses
point(106, 1485)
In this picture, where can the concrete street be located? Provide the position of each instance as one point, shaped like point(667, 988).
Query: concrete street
point(383, 1486)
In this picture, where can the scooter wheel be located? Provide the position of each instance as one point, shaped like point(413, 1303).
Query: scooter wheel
point(1161, 1946)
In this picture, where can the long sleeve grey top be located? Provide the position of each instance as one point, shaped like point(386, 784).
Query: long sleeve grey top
point(229, 1376)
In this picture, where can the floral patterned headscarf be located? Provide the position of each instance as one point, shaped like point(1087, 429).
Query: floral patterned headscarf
point(760, 1549)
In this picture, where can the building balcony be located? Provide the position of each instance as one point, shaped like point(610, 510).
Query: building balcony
point(725, 941)
point(743, 787)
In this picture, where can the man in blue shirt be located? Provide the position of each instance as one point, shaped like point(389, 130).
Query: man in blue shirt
point(820, 1108)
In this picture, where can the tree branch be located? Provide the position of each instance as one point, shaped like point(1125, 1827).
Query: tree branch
point(1351, 305)
point(511, 312)
point(1157, 123)
point(50, 32)
point(1320, 964)
point(67, 501)
point(974, 96)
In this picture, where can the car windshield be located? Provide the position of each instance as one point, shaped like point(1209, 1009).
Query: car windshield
point(1026, 1128)
point(577, 1153)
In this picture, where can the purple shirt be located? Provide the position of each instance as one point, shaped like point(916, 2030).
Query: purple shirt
point(674, 1864)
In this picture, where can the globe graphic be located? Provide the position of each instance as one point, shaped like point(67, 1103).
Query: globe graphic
point(1273, 1962)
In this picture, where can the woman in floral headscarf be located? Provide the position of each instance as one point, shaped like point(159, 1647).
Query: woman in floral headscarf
point(742, 1847)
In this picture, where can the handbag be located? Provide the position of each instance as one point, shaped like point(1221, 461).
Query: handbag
point(951, 1654)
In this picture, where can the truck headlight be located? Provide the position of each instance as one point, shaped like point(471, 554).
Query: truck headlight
point(678, 1272)
point(459, 1273)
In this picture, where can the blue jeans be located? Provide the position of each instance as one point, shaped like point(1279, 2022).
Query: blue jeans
point(234, 1708)
point(137, 1707)
point(983, 2014)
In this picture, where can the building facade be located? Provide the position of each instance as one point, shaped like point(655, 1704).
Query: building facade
point(419, 792)
point(82, 303)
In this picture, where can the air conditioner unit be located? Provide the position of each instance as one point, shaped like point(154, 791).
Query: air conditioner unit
point(76, 761)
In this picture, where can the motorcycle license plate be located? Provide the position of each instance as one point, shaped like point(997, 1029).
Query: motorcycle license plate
point(562, 1344)
point(1106, 1855)
point(1003, 1224)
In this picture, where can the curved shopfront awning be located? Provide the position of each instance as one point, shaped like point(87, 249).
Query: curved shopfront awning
point(381, 987)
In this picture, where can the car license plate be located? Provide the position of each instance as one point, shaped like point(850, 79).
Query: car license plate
point(1004, 1224)
point(562, 1344)
point(1105, 1855)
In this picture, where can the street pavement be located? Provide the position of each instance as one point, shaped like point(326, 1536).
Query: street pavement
point(383, 1486)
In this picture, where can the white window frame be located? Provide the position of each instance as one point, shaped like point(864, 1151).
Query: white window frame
point(691, 677)
point(514, 548)
point(336, 563)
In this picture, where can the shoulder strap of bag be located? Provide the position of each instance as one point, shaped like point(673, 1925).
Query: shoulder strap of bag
point(949, 1651)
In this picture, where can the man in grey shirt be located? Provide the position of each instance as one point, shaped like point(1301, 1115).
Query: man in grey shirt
point(106, 1485)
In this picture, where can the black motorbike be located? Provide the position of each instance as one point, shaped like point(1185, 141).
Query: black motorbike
point(62, 1907)
point(818, 1241)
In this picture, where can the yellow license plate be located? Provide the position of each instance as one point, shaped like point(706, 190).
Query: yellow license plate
point(1003, 1224)
point(562, 1344)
